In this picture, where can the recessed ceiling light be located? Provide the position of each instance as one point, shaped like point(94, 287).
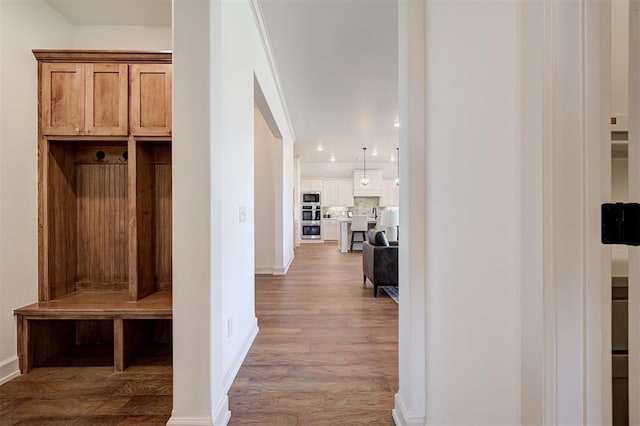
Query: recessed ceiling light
point(333, 157)
point(375, 152)
point(320, 147)
point(396, 124)
point(393, 158)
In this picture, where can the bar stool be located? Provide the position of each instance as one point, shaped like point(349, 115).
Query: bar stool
point(359, 225)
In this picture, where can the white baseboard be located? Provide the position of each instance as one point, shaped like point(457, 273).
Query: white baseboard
point(222, 415)
point(190, 421)
point(9, 369)
point(240, 354)
point(268, 270)
point(402, 418)
point(263, 270)
point(283, 271)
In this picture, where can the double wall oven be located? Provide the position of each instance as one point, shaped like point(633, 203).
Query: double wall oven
point(311, 216)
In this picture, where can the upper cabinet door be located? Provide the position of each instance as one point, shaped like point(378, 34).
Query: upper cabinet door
point(106, 111)
point(62, 99)
point(150, 113)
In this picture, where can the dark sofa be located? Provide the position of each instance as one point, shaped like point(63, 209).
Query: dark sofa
point(379, 260)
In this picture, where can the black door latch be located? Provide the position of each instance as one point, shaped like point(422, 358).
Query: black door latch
point(621, 223)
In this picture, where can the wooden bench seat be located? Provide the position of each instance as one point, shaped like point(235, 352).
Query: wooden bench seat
point(47, 329)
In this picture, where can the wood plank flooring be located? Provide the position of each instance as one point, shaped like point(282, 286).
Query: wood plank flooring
point(326, 354)
point(327, 351)
point(80, 395)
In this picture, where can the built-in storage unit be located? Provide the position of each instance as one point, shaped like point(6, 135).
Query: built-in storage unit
point(311, 185)
point(337, 193)
point(83, 99)
point(330, 229)
point(104, 205)
point(150, 89)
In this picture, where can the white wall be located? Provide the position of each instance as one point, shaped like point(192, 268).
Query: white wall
point(217, 53)
point(25, 25)
point(267, 148)
point(619, 57)
point(264, 73)
point(122, 37)
point(236, 100)
point(461, 365)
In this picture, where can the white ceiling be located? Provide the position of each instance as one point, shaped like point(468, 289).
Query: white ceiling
point(338, 66)
point(337, 61)
point(114, 12)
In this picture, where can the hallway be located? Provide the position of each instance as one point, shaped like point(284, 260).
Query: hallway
point(327, 351)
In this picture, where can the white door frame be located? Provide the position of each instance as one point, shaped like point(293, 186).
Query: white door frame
point(565, 176)
point(572, 112)
point(634, 194)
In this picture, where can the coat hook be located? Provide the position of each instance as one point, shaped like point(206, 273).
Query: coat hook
point(125, 155)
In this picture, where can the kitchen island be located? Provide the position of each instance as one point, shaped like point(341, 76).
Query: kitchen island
point(344, 234)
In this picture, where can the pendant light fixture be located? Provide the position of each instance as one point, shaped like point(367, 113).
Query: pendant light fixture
point(398, 167)
point(364, 181)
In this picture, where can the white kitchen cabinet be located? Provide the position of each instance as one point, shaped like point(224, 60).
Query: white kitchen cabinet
point(330, 193)
point(389, 193)
point(373, 189)
point(337, 193)
point(330, 230)
point(345, 192)
point(311, 185)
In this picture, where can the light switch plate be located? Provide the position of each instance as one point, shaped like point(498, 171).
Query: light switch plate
point(242, 214)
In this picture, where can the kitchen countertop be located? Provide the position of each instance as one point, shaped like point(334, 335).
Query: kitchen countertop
point(349, 220)
point(344, 238)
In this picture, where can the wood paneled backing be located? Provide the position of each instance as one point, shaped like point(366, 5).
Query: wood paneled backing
point(102, 286)
point(61, 217)
point(102, 224)
point(113, 154)
point(136, 334)
point(126, 56)
point(47, 338)
point(163, 230)
point(94, 332)
point(163, 331)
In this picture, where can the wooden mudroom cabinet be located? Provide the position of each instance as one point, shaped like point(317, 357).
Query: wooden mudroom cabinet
point(84, 99)
point(150, 99)
point(104, 207)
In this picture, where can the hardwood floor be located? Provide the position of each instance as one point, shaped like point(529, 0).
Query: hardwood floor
point(78, 395)
point(326, 354)
point(327, 351)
